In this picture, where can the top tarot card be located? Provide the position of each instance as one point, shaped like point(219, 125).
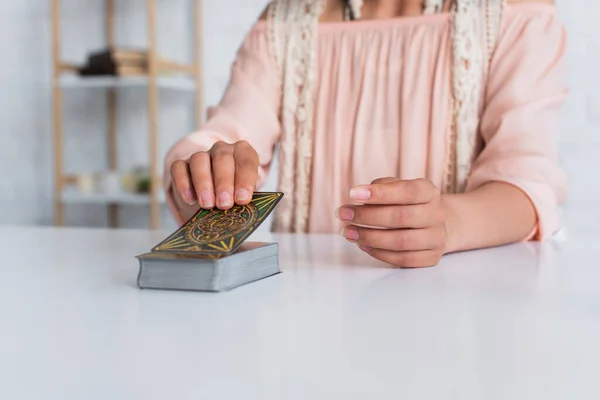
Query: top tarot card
point(219, 233)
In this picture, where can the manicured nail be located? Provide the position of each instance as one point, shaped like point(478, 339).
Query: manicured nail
point(189, 197)
point(360, 193)
point(242, 195)
point(350, 233)
point(207, 199)
point(366, 249)
point(345, 214)
point(224, 199)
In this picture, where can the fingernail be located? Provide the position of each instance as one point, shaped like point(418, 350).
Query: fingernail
point(345, 214)
point(350, 233)
point(360, 193)
point(366, 249)
point(242, 195)
point(224, 199)
point(207, 199)
point(189, 197)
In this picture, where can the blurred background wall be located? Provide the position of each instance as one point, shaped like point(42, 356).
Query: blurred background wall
point(26, 97)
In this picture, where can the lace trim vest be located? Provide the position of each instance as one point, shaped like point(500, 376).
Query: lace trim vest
point(292, 35)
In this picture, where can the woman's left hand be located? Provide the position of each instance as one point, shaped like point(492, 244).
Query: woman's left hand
point(400, 222)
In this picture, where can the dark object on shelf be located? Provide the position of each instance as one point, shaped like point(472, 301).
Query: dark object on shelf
point(143, 185)
point(116, 62)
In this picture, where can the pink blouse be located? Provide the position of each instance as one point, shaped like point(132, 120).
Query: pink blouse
point(382, 106)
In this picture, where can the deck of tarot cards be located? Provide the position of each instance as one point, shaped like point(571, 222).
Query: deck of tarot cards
point(209, 252)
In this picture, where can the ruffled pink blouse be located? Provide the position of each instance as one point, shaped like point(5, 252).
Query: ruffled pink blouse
point(382, 107)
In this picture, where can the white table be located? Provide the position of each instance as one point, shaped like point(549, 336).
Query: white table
point(517, 322)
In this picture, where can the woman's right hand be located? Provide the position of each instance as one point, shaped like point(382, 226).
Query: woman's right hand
point(221, 177)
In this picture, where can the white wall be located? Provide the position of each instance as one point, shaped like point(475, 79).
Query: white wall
point(25, 96)
point(581, 123)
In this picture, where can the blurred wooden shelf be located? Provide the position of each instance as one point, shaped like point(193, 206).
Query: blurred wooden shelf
point(107, 82)
point(162, 74)
point(72, 196)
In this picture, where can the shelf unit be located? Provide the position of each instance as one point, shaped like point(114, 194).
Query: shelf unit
point(65, 79)
point(72, 196)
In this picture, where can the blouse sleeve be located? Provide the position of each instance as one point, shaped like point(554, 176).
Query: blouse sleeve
point(520, 122)
point(247, 111)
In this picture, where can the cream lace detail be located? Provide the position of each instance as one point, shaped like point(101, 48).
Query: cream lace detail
point(356, 6)
point(433, 6)
point(475, 29)
point(296, 60)
point(292, 27)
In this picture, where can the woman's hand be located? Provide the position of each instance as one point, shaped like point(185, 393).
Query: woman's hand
point(400, 222)
point(224, 175)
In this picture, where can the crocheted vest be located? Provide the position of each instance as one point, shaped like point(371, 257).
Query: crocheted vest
point(292, 34)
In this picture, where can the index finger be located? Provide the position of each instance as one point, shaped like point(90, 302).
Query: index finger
point(409, 192)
